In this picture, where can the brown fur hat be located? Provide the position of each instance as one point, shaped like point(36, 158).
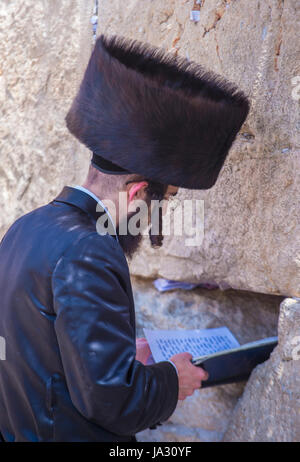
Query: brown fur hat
point(156, 114)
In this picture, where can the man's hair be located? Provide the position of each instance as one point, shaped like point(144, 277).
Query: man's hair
point(114, 182)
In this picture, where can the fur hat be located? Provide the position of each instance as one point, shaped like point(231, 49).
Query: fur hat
point(142, 110)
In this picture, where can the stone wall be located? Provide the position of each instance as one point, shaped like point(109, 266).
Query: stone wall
point(269, 409)
point(44, 47)
point(205, 415)
point(252, 214)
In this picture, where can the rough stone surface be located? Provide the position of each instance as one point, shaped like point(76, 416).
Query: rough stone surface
point(205, 415)
point(44, 48)
point(269, 409)
point(251, 225)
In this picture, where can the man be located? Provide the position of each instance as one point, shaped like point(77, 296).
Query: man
point(73, 370)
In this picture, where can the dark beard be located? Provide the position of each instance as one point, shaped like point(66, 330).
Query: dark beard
point(130, 243)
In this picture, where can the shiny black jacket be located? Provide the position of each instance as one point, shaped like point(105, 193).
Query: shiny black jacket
point(67, 316)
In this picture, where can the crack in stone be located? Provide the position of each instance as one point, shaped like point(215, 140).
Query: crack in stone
point(22, 194)
point(278, 41)
point(166, 19)
point(217, 50)
point(218, 15)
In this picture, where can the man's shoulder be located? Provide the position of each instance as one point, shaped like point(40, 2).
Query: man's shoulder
point(54, 221)
point(81, 238)
point(56, 230)
point(89, 243)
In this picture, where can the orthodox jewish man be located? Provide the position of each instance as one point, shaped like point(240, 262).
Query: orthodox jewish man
point(74, 370)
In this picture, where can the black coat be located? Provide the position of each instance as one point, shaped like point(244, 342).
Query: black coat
point(67, 316)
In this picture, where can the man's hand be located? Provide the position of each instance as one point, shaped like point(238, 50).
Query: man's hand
point(189, 376)
point(142, 350)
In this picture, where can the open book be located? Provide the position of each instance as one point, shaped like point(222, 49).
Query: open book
point(215, 350)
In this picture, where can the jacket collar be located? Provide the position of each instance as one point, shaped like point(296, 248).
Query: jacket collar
point(83, 201)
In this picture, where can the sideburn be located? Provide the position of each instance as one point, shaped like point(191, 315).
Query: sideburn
point(156, 191)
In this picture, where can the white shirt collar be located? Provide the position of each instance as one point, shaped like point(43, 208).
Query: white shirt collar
point(90, 193)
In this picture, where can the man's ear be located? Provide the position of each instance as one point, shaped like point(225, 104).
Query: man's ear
point(136, 190)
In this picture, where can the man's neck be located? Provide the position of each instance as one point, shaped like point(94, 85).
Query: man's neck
point(111, 201)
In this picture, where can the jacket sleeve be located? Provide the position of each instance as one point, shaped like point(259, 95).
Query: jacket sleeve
point(107, 385)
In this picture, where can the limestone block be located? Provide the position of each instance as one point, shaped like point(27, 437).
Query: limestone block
point(269, 409)
point(251, 216)
point(44, 48)
point(205, 415)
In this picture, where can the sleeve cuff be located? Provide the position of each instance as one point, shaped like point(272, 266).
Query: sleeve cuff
point(169, 361)
point(169, 379)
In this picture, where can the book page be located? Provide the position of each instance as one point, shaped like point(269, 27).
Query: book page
point(198, 342)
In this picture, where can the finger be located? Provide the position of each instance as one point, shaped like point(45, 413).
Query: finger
point(201, 373)
point(141, 340)
point(206, 375)
point(197, 384)
point(183, 396)
point(189, 391)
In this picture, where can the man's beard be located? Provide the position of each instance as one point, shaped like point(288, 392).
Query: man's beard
point(130, 243)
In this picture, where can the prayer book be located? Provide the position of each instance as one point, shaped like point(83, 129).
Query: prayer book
point(215, 350)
